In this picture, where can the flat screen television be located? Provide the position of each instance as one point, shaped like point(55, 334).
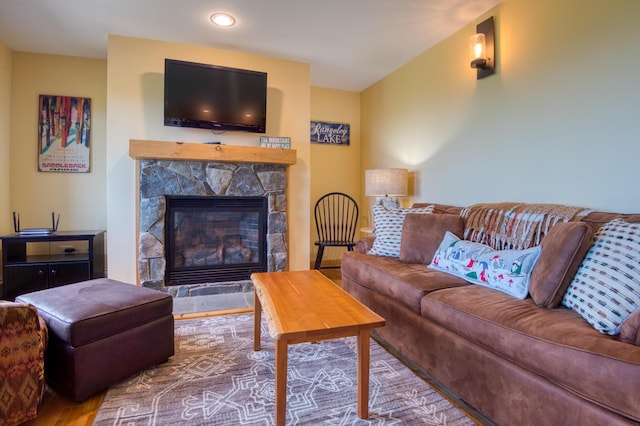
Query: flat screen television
point(214, 97)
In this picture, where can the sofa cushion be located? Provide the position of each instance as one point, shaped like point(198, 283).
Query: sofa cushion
point(403, 282)
point(388, 228)
point(606, 288)
point(422, 233)
point(506, 270)
point(556, 344)
point(563, 249)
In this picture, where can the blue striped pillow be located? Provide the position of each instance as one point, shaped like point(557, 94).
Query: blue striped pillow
point(388, 228)
point(606, 287)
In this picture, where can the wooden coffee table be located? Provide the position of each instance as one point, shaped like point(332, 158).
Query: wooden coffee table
point(305, 306)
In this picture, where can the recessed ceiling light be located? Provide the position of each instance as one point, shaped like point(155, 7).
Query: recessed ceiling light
point(223, 19)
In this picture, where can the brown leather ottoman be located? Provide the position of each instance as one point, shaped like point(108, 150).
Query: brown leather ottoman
point(102, 331)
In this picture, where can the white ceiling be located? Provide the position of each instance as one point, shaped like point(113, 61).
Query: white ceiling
point(350, 44)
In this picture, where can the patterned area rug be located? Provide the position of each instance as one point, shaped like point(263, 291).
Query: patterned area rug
point(215, 378)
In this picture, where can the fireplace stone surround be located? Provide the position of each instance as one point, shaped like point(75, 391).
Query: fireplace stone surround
point(169, 173)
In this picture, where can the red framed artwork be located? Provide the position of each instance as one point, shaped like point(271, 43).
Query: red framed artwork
point(64, 134)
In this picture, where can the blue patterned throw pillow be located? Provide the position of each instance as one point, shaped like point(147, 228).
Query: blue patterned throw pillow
point(388, 228)
point(508, 271)
point(606, 287)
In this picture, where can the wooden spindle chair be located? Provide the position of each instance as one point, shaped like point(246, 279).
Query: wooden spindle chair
point(336, 216)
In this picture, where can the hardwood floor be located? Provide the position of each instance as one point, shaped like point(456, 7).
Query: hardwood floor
point(334, 275)
point(58, 410)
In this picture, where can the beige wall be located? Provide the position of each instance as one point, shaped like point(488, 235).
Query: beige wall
point(558, 122)
point(335, 168)
point(135, 111)
point(5, 139)
point(80, 198)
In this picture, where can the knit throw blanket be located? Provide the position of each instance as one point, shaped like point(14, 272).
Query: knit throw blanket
point(507, 226)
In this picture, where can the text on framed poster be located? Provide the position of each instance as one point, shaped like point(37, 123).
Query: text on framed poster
point(64, 134)
point(330, 133)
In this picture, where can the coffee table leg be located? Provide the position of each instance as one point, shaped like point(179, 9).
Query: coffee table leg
point(281, 381)
point(363, 374)
point(257, 311)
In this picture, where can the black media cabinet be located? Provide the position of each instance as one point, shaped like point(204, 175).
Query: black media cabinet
point(27, 268)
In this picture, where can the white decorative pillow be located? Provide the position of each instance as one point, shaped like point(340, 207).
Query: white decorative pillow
point(506, 270)
point(388, 228)
point(606, 287)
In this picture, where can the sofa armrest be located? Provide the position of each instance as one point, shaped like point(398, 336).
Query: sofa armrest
point(44, 332)
point(630, 330)
point(364, 244)
point(23, 340)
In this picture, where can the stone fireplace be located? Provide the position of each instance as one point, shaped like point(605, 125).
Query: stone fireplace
point(232, 173)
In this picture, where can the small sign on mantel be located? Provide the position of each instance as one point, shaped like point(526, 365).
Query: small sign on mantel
point(275, 142)
point(330, 133)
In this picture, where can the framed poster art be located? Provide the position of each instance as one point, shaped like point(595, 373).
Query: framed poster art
point(330, 133)
point(64, 134)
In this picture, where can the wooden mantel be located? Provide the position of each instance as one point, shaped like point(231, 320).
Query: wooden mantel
point(191, 151)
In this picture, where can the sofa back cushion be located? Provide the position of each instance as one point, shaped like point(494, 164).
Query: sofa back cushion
point(563, 249)
point(441, 208)
point(597, 219)
point(422, 234)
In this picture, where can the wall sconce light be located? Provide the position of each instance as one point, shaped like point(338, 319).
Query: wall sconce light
point(482, 49)
point(386, 185)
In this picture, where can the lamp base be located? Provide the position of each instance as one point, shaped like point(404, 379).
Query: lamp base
point(388, 202)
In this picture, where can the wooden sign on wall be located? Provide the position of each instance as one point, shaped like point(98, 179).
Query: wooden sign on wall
point(330, 133)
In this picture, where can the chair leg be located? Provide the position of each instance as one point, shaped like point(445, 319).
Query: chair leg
point(319, 257)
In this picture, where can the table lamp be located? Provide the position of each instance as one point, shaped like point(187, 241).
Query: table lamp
point(386, 185)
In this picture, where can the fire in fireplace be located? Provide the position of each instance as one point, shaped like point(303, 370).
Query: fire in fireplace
point(214, 239)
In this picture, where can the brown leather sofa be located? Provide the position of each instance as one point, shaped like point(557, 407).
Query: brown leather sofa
point(512, 360)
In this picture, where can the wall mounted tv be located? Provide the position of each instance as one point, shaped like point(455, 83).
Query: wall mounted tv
point(213, 97)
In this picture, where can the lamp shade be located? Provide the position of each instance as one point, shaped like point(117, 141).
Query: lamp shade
point(386, 182)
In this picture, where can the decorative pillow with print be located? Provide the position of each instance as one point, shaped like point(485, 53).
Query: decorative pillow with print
point(606, 288)
point(388, 228)
point(506, 270)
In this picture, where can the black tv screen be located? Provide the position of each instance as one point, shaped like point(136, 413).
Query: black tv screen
point(213, 97)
